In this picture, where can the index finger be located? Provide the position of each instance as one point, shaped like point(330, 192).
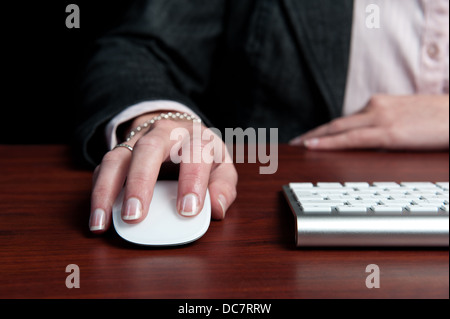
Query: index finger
point(337, 126)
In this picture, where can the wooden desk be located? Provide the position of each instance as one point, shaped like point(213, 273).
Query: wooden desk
point(44, 209)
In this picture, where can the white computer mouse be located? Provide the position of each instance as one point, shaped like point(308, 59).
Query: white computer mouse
point(163, 226)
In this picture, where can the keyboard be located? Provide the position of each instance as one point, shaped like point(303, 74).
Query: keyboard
point(370, 214)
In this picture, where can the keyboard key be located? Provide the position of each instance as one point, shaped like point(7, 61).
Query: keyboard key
point(387, 209)
point(316, 209)
point(304, 193)
point(329, 185)
point(386, 184)
point(443, 185)
point(301, 185)
point(423, 209)
point(418, 185)
point(429, 202)
point(368, 191)
point(351, 209)
point(366, 202)
point(301, 198)
point(322, 202)
point(357, 185)
point(342, 197)
point(395, 202)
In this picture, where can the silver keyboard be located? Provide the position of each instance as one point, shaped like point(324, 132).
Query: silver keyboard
point(376, 214)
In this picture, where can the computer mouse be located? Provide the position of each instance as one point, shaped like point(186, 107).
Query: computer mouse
point(163, 226)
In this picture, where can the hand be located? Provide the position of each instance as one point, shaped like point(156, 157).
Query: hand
point(140, 169)
point(415, 122)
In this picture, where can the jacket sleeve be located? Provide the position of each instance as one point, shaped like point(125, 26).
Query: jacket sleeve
point(163, 50)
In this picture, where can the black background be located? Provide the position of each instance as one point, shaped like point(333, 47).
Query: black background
point(42, 65)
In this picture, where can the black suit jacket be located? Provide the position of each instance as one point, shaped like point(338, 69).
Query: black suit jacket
point(238, 63)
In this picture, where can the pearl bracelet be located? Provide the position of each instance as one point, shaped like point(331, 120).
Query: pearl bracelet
point(162, 116)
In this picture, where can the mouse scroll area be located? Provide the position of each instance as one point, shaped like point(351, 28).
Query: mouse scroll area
point(163, 226)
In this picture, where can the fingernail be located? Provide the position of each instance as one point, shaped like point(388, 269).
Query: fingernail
point(133, 209)
point(189, 206)
point(312, 142)
point(295, 141)
point(222, 201)
point(97, 220)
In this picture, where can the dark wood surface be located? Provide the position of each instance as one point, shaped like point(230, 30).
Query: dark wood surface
point(44, 210)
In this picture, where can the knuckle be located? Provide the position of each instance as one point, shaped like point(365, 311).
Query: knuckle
point(335, 126)
point(151, 141)
point(353, 137)
point(193, 176)
point(101, 195)
point(140, 186)
point(381, 107)
point(377, 102)
point(112, 157)
point(100, 191)
point(140, 179)
point(390, 137)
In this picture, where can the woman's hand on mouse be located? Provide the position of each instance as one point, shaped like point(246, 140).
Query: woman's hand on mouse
point(204, 164)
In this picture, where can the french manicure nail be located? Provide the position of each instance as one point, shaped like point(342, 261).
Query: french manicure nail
point(133, 209)
point(222, 202)
point(97, 220)
point(312, 142)
point(190, 205)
